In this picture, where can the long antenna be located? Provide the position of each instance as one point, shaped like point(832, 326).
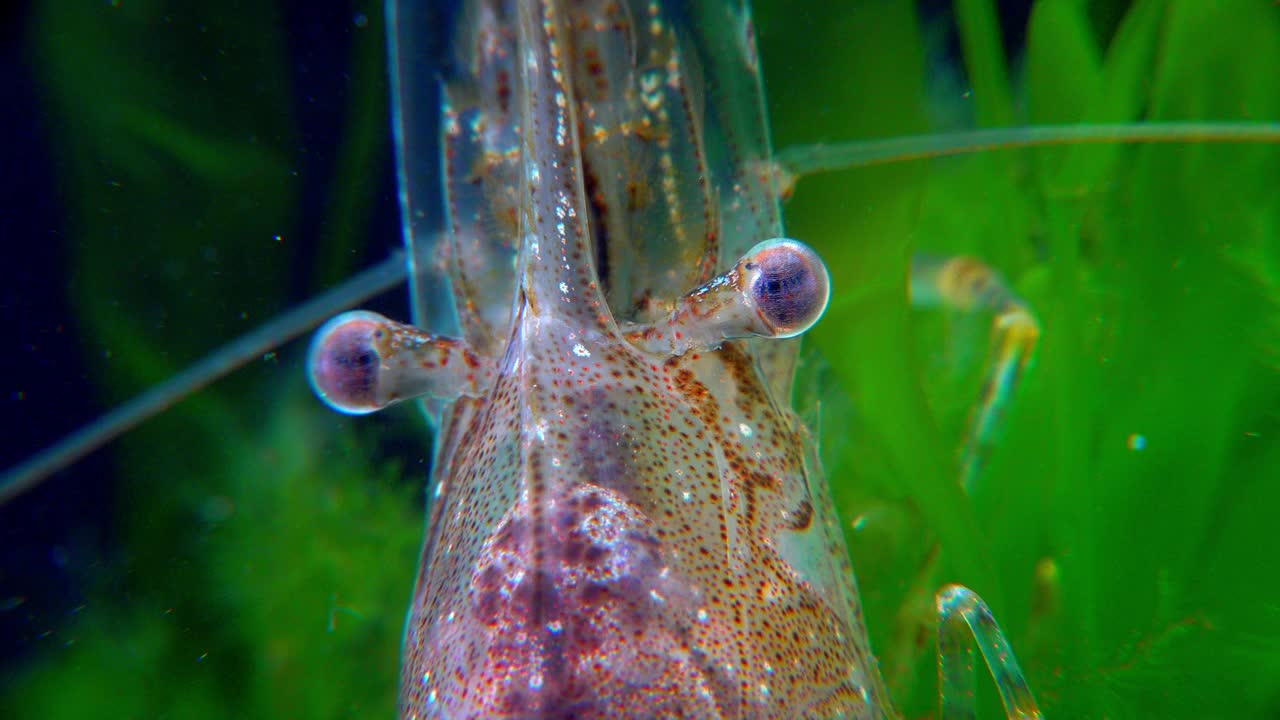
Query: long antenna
point(828, 157)
point(277, 331)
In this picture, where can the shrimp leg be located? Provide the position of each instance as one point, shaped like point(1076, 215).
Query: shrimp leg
point(966, 284)
point(963, 615)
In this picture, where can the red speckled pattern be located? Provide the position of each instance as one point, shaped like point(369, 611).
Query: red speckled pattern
point(618, 533)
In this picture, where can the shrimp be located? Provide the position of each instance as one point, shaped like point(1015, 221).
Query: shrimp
point(894, 385)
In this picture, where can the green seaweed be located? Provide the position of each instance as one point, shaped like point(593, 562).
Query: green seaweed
point(1121, 529)
point(266, 551)
point(1127, 486)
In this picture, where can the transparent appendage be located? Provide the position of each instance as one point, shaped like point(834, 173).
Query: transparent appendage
point(217, 364)
point(963, 616)
point(805, 160)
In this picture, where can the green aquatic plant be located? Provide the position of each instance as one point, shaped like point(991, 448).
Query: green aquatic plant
point(264, 551)
point(1116, 528)
point(1120, 527)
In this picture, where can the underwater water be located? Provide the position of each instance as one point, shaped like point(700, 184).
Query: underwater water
point(185, 171)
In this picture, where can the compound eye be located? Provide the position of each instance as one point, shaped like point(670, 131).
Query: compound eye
point(344, 362)
point(788, 284)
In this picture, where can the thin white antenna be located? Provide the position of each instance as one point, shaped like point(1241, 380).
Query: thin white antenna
point(828, 157)
point(239, 352)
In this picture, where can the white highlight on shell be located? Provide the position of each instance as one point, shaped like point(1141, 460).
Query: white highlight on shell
point(581, 350)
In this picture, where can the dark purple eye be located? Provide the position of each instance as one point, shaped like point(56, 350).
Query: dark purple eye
point(344, 362)
point(788, 283)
